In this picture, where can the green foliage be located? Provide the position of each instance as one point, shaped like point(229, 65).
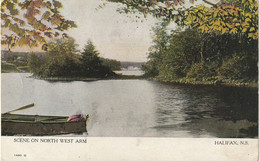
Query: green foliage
point(90, 58)
point(29, 26)
point(6, 68)
point(112, 64)
point(91, 63)
point(13, 68)
point(150, 69)
point(61, 59)
point(200, 72)
point(34, 63)
point(240, 17)
point(229, 16)
point(220, 41)
point(64, 60)
point(174, 54)
point(239, 66)
point(156, 51)
point(191, 57)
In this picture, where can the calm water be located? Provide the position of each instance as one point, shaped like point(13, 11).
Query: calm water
point(139, 108)
point(130, 72)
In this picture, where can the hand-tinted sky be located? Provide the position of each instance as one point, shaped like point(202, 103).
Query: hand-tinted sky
point(116, 36)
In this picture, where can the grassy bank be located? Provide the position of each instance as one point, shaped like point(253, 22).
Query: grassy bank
point(235, 83)
point(13, 68)
point(8, 68)
point(114, 77)
point(223, 82)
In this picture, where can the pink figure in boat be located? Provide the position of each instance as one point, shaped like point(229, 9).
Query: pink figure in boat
point(75, 118)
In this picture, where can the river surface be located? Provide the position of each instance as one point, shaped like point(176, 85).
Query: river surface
point(139, 108)
point(130, 72)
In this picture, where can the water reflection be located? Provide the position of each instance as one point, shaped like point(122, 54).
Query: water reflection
point(139, 108)
point(206, 111)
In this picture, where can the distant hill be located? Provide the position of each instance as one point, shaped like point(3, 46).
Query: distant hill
point(134, 64)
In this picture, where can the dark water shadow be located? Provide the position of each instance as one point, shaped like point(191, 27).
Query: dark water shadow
point(225, 112)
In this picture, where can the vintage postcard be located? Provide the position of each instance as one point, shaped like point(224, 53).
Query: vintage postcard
point(144, 80)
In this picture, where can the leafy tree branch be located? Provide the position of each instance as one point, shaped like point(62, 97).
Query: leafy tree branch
point(32, 22)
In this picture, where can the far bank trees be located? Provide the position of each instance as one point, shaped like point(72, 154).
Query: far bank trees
point(216, 41)
point(189, 56)
point(64, 60)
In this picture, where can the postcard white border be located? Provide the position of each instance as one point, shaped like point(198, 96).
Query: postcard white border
point(132, 149)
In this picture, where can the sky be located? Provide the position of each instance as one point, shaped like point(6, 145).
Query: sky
point(116, 36)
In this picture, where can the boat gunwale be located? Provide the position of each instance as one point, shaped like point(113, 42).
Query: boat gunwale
point(48, 122)
point(23, 115)
point(54, 119)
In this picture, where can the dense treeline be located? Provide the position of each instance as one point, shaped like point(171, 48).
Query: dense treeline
point(112, 64)
point(189, 56)
point(64, 60)
point(217, 41)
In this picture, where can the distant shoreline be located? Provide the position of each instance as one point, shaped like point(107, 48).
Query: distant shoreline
point(116, 77)
point(141, 77)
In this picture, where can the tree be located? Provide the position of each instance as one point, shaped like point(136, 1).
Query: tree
point(90, 59)
point(156, 51)
point(62, 60)
point(111, 63)
point(32, 22)
point(189, 55)
point(183, 52)
point(91, 63)
point(227, 16)
point(34, 62)
point(217, 41)
point(238, 17)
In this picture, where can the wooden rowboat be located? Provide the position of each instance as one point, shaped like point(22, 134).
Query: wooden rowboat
point(17, 124)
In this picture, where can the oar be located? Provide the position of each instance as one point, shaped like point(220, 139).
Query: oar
point(53, 118)
point(22, 108)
